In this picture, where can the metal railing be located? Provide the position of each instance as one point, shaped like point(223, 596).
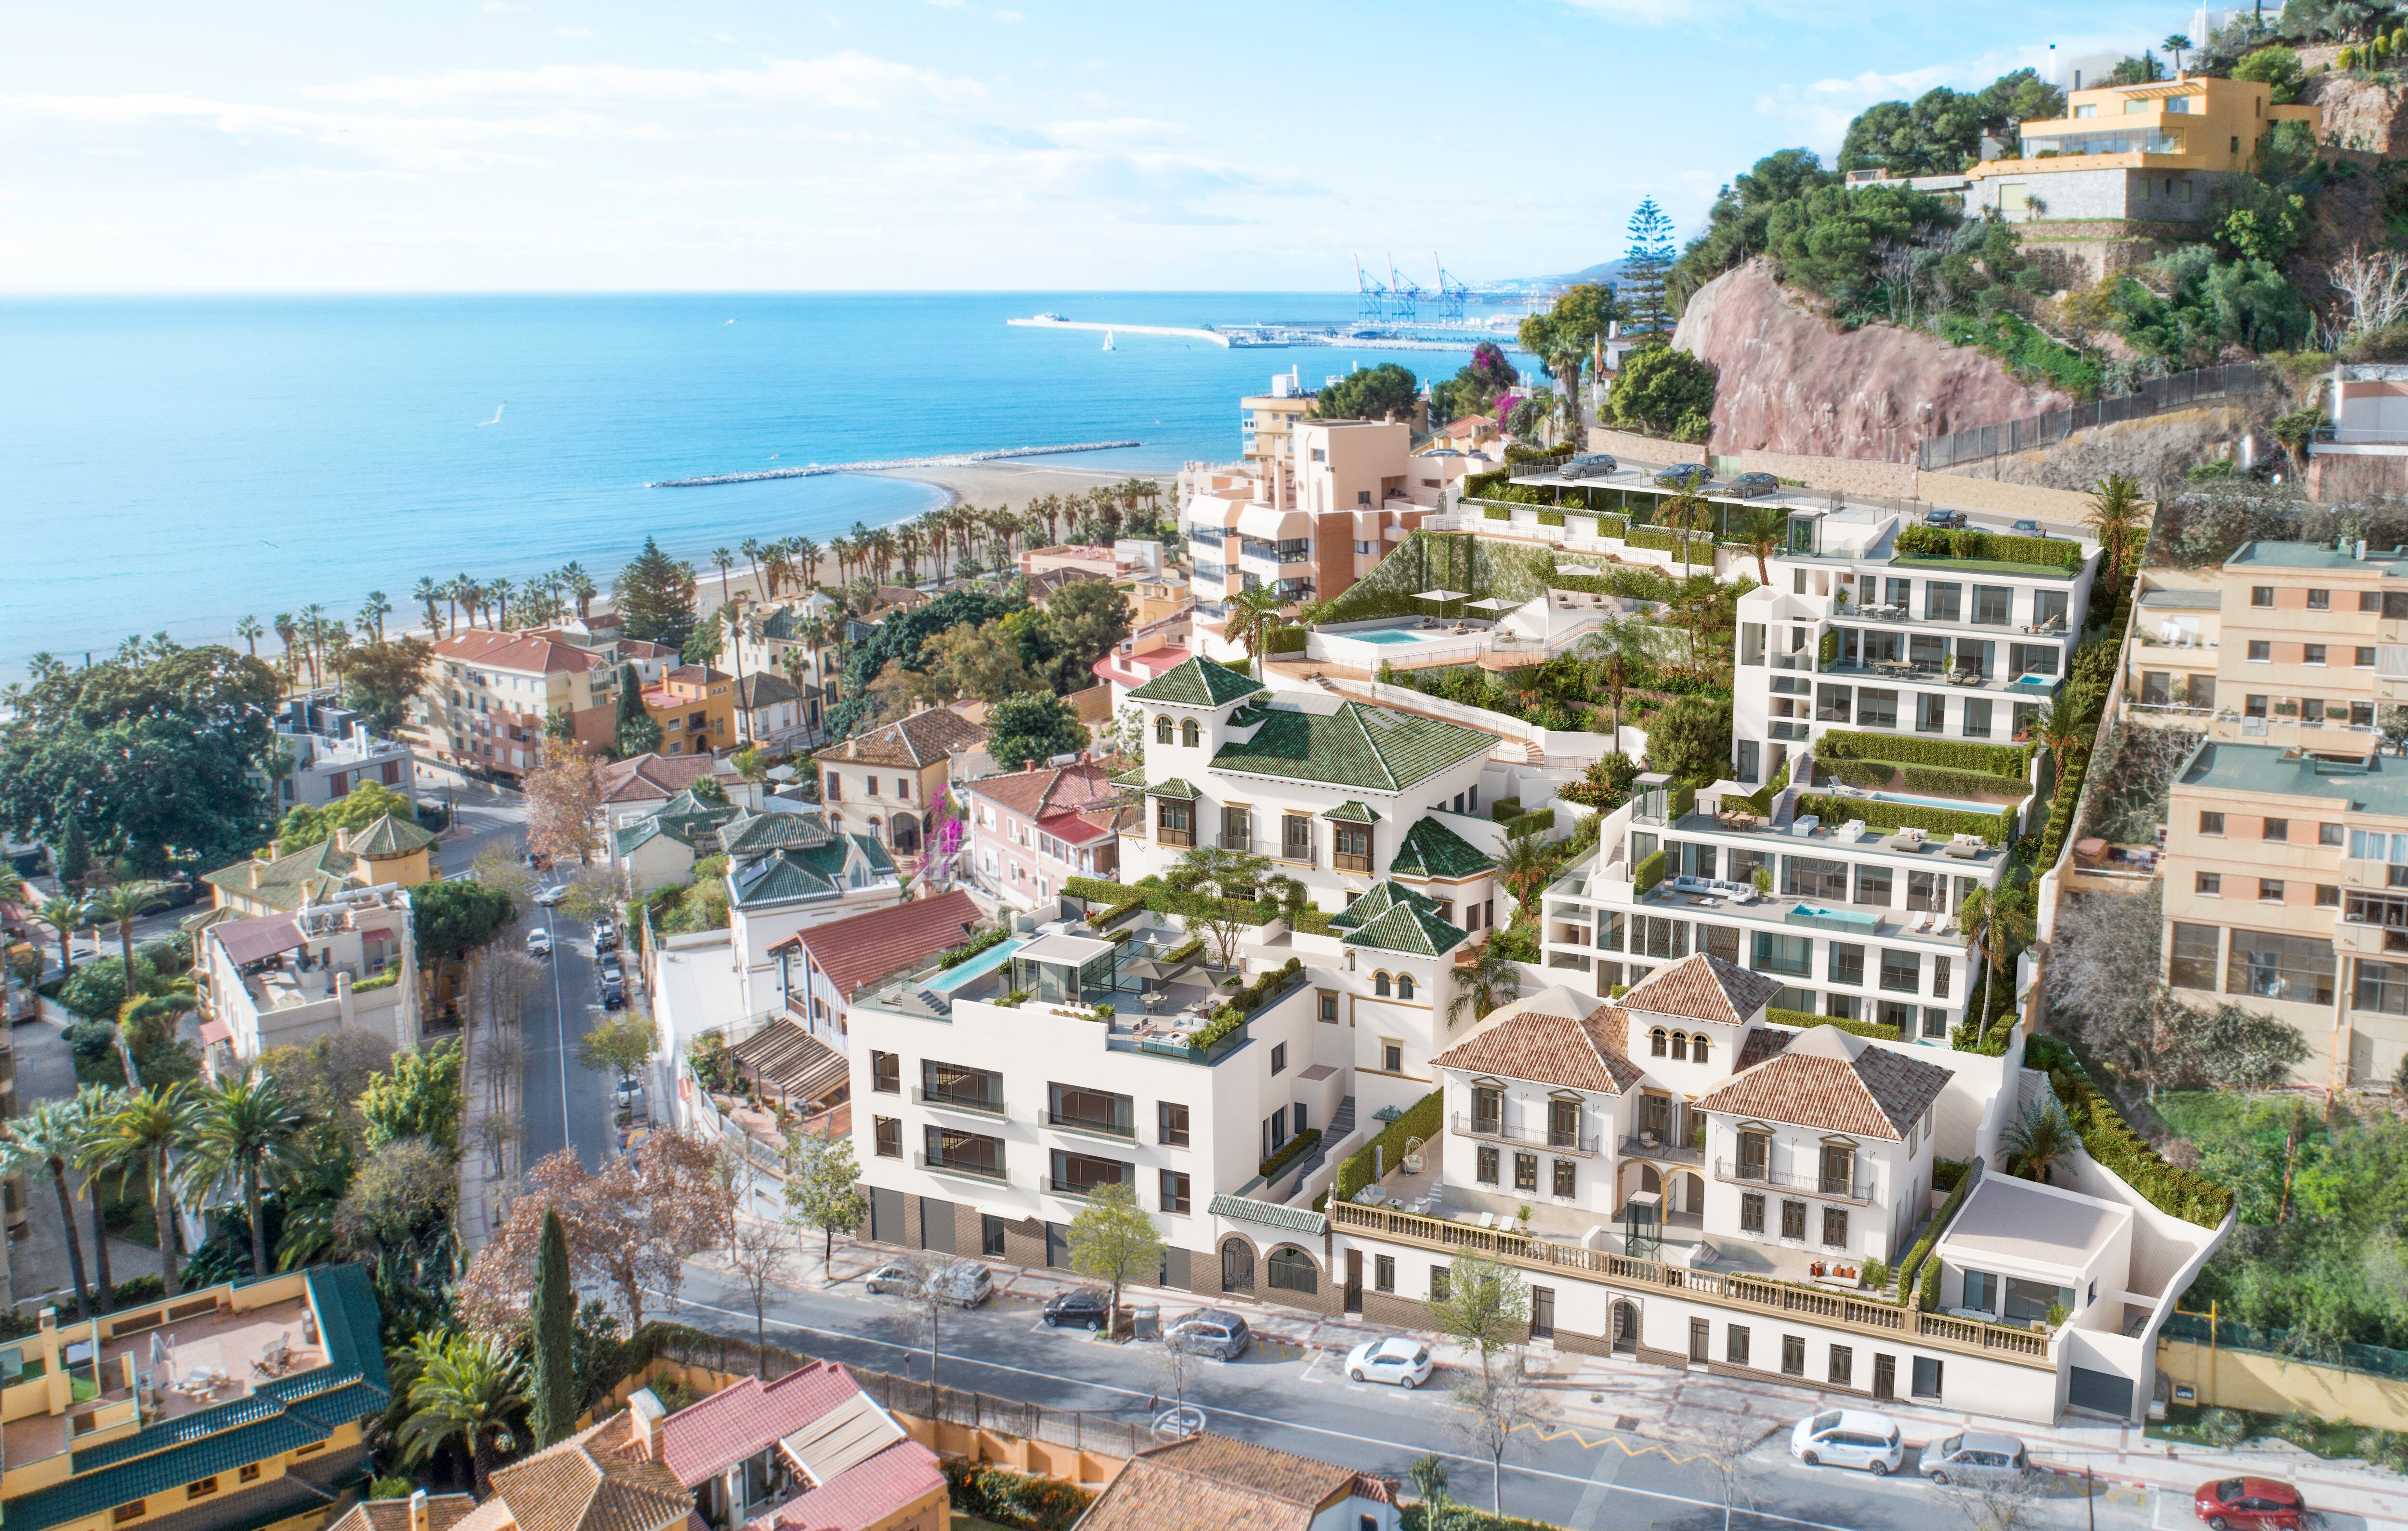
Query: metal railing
point(2155, 396)
point(1535, 1138)
point(956, 1166)
point(1123, 1129)
point(947, 1100)
point(1827, 1186)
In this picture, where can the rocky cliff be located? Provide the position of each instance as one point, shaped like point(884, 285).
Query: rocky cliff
point(2363, 114)
point(1791, 382)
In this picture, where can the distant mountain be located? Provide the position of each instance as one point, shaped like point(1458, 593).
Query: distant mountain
point(1603, 271)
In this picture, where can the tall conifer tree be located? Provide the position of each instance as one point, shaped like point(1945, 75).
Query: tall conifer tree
point(554, 1316)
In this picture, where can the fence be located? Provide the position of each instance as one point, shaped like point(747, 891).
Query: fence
point(2155, 396)
point(2227, 1335)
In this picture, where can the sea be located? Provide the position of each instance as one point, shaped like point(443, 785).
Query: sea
point(177, 464)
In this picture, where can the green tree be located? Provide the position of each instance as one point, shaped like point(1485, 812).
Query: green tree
point(1084, 620)
point(75, 861)
point(633, 731)
point(1491, 980)
point(2036, 1140)
point(243, 1128)
point(824, 1186)
point(984, 661)
point(466, 1390)
point(1385, 392)
point(121, 906)
point(65, 916)
point(1113, 1240)
point(455, 919)
point(2277, 68)
point(380, 678)
point(1474, 388)
point(1646, 263)
point(2115, 514)
point(655, 597)
point(1033, 726)
point(1736, 224)
point(623, 1044)
point(46, 1141)
point(418, 1098)
point(1486, 1307)
point(1251, 615)
point(1661, 390)
point(552, 1319)
point(1691, 739)
point(305, 825)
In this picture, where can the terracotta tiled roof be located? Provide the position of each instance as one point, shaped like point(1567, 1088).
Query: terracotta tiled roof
point(1551, 1038)
point(738, 1420)
point(1834, 1081)
point(871, 1493)
point(523, 653)
point(443, 1512)
point(866, 948)
point(923, 739)
point(642, 777)
point(597, 1480)
point(1762, 1042)
point(1051, 583)
point(1211, 1482)
point(1071, 802)
point(1703, 987)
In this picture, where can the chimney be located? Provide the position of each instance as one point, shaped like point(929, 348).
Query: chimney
point(644, 1416)
point(418, 1510)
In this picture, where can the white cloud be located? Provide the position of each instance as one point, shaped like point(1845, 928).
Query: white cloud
point(849, 80)
point(1009, 16)
point(572, 32)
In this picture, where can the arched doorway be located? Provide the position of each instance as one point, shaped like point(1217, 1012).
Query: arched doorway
point(1693, 1193)
point(1624, 1330)
point(1236, 1266)
point(906, 834)
point(1638, 1177)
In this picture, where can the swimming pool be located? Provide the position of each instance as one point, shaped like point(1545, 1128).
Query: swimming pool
point(1385, 635)
point(1960, 805)
point(976, 967)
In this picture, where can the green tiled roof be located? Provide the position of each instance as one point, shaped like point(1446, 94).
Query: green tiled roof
point(1197, 683)
point(752, 834)
point(1174, 787)
point(1352, 812)
point(874, 853)
point(1408, 927)
point(1293, 1220)
point(1430, 849)
point(1381, 898)
point(1356, 746)
point(390, 836)
point(312, 872)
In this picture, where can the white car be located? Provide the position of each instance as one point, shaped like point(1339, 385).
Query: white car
point(552, 895)
point(1849, 1438)
point(1403, 1361)
point(539, 942)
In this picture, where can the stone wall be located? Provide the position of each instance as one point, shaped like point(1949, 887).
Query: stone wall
point(2155, 450)
point(1845, 475)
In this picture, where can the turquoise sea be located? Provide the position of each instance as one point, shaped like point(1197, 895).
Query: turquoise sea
point(178, 464)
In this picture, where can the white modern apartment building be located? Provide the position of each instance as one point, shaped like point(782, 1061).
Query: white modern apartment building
point(333, 754)
point(348, 962)
point(1682, 1181)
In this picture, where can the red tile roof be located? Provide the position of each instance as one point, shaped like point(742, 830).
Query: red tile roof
point(1072, 803)
point(866, 948)
point(1703, 987)
point(868, 1495)
point(523, 653)
point(1153, 662)
point(1575, 1052)
point(642, 777)
point(1834, 1081)
point(738, 1420)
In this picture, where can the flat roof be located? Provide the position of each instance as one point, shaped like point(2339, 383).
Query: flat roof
point(2385, 564)
point(1069, 950)
point(2183, 601)
point(2016, 1219)
point(2379, 785)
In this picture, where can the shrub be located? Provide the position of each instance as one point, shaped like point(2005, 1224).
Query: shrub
point(1916, 1261)
point(1651, 872)
point(2110, 1140)
point(1535, 823)
point(1421, 1120)
point(1245, 1001)
point(1804, 1020)
point(1947, 753)
point(1289, 1153)
point(1551, 518)
point(1930, 1287)
point(1286, 641)
point(1947, 1173)
point(1496, 513)
point(1014, 1500)
point(2225, 1428)
point(1998, 829)
point(1962, 783)
point(1827, 653)
point(1938, 542)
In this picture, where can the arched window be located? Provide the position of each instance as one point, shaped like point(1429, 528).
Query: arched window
point(1698, 1046)
point(1379, 985)
point(1404, 986)
point(1656, 1043)
point(1680, 1045)
point(1162, 729)
point(1189, 734)
point(1291, 1270)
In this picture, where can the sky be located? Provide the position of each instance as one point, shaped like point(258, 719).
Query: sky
point(546, 145)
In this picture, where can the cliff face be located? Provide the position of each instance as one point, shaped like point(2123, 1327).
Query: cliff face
point(1789, 381)
point(2366, 115)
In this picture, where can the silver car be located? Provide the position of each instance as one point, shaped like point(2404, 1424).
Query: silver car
point(1975, 1457)
point(1589, 465)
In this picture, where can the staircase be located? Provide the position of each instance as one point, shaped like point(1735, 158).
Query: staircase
point(1340, 1126)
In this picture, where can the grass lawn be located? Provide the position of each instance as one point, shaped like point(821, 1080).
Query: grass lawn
point(2202, 1115)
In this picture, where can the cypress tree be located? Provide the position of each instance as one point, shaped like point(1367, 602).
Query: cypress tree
point(554, 1316)
point(632, 731)
point(75, 858)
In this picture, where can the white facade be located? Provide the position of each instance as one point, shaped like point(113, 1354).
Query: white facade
point(285, 980)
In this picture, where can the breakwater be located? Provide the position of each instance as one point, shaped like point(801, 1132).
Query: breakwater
point(949, 460)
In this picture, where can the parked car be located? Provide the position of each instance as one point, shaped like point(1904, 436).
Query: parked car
point(1751, 485)
point(538, 942)
point(631, 1099)
point(612, 972)
point(606, 934)
point(614, 994)
point(1849, 1438)
point(2250, 1504)
point(1685, 476)
point(1973, 1457)
point(1082, 1307)
point(1405, 1362)
point(552, 895)
point(1215, 1332)
point(1950, 519)
point(896, 1279)
point(1589, 465)
point(964, 1283)
point(2028, 528)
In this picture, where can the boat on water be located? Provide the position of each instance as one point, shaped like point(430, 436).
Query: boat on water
point(1108, 341)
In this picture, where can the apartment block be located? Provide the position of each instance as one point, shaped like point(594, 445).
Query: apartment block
point(346, 963)
point(488, 696)
point(333, 754)
point(695, 706)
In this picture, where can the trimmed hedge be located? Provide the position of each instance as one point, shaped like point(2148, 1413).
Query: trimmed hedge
point(1535, 823)
point(1909, 749)
point(1244, 1001)
point(1164, 901)
point(1504, 809)
point(1020, 1500)
point(1938, 542)
point(1290, 1153)
point(1826, 652)
point(2107, 1138)
point(1496, 513)
point(1801, 1020)
point(1421, 1120)
point(1915, 1256)
point(1651, 872)
point(1959, 783)
point(1665, 542)
point(1286, 641)
point(1998, 829)
point(1551, 518)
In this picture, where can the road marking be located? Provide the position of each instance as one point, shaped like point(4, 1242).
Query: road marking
point(1270, 1420)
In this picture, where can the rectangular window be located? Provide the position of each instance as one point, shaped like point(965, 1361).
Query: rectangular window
point(1942, 602)
point(1296, 837)
point(1383, 1273)
point(1329, 1008)
point(2261, 595)
point(1847, 964)
point(1835, 1227)
point(1174, 823)
point(890, 1136)
point(2270, 890)
point(951, 1084)
point(2211, 823)
point(1735, 1345)
point(1080, 1173)
point(886, 1072)
point(1977, 717)
point(2253, 705)
point(2382, 989)
point(1751, 1212)
point(1901, 971)
point(1278, 1057)
point(1927, 1377)
point(1174, 1191)
point(2296, 968)
point(2261, 652)
point(1940, 977)
point(1486, 1165)
point(1793, 1220)
point(973, 1152)
point(1437, 1283)
point(1170, 1123)
point(2208, 884)
point(1392, 1056)
point(2329, 834)
point(2313, 653)
point(1793, 1356)
point(1992, 605)
point(2363, 659)
point(2274, 829)
point(1932, 713)
point(1876, 709)
point(1831, 704)
point(2320, 600)
point(201, 1490)
point(1808, 877)
point(1843, 1366)
point(1526, 1171)
point(1567, 1177)
point(2194, 959)
point(2327, 896)
point(1791, 956)
point(249, 1473)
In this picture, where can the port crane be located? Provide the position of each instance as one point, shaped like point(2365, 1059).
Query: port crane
point(1372, 304)
point(1404, 295)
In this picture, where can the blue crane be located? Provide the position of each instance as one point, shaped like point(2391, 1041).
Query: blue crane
point(1372, 303)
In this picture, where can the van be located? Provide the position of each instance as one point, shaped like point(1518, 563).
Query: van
point(1849, 1438)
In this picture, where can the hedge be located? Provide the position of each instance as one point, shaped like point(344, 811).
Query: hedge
point(1959, 783)
point(1421, 1120)
point(1915, 1257)
point(1286, 641)
point(1020, 1500)
point(2107, 1138)
point(1804, 1020)
point(1998, 829)
point(1164, 901)
point(1936, 542)
point(1551, 518)
point(1534, 823)
point(1496, 513)
point(1243, 1002)
point(1665, 542)
point(1651, 872)
point(1289, 1154)
point(1909, 749)
point(1505, 808)
point(1826, 654)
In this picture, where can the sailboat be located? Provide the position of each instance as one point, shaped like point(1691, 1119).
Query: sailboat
point(1107, 340)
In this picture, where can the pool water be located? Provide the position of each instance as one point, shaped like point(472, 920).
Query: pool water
point(1956, 804)
point(1383, 635)
point(976, 967)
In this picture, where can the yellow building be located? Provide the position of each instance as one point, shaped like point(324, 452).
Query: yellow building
point(387, 850)
point(252, 1416)
point(2153, 153)
point(696, 707)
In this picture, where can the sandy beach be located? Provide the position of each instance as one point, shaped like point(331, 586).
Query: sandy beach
point(1013, 483)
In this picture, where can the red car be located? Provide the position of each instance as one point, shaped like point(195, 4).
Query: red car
point(2250, 1504)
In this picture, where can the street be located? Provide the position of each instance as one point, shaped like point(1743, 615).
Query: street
point(1577, 1475)
point(566, 1102)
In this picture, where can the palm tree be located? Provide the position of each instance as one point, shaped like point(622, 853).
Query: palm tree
point(373, 612)
point(1491, 980)
point(2055, 727)
point(806, 555)
point(249, 630)
point(725, 560)
point(750, 549)
point(46, 1138)
point(2115, 513)
point(1522, 865)
point(2175, 46)
point(1764, 533)
point(121, 905)
point(581, 588)
point(2039, 1138)
point(1685, 512)
point(499, 595)
point(93, 1105)
point(429, 595)
point(1620, 644)
point(1252, 615)
point(147, 1127)
point(244, 1127)
point(456, 590)
point(466, 1390)
point(65, 915)
point(288, 633)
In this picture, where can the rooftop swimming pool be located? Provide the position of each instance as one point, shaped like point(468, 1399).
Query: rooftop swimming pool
point(1961, 805)
point(1388, 635)
point(976, 967)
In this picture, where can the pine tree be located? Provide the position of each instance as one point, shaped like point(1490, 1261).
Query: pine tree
point(1644, 265)
point(554, 1320)
point(655, 597)
point(633, 733)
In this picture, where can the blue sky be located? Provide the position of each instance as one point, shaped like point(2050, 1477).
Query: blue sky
point(545, 145)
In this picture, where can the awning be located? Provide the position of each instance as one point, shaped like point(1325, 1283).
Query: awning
point(217, 1030)
point(784, 1055)
point(1274, 524)
point(1441, 595)
point(1490, 603)
point(248, 941)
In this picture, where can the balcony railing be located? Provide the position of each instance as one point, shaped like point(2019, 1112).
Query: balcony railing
point(1348, 861)
point(1092, 1124)
point(1179, 839)
point(1790, 730)
point(1244, 843)
point(1582, 1142)
point(1075, 1190)
point(955, 1166)
point(951, 1101)
point(1664, 1151)
point(1827, 1186)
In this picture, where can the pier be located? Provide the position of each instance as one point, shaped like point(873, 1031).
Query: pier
point(1045, 320)
point(952, 459)
point(1275, 336)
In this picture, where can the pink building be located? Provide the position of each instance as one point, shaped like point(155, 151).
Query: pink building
point(1031, 830)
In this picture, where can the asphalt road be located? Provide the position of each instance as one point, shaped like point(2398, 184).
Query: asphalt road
point(566, 1103)
point(1580, 1477)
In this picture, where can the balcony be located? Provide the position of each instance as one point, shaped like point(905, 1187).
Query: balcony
point(1348, 860)
point(994, 1174)
point(1828, 1188)
point(1126, 1130)
point(1789, 729)
point(1489, 1128)
point(1077, 1191)
point(1662, 1153)
point(1175, 839)
point(946, 1100)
